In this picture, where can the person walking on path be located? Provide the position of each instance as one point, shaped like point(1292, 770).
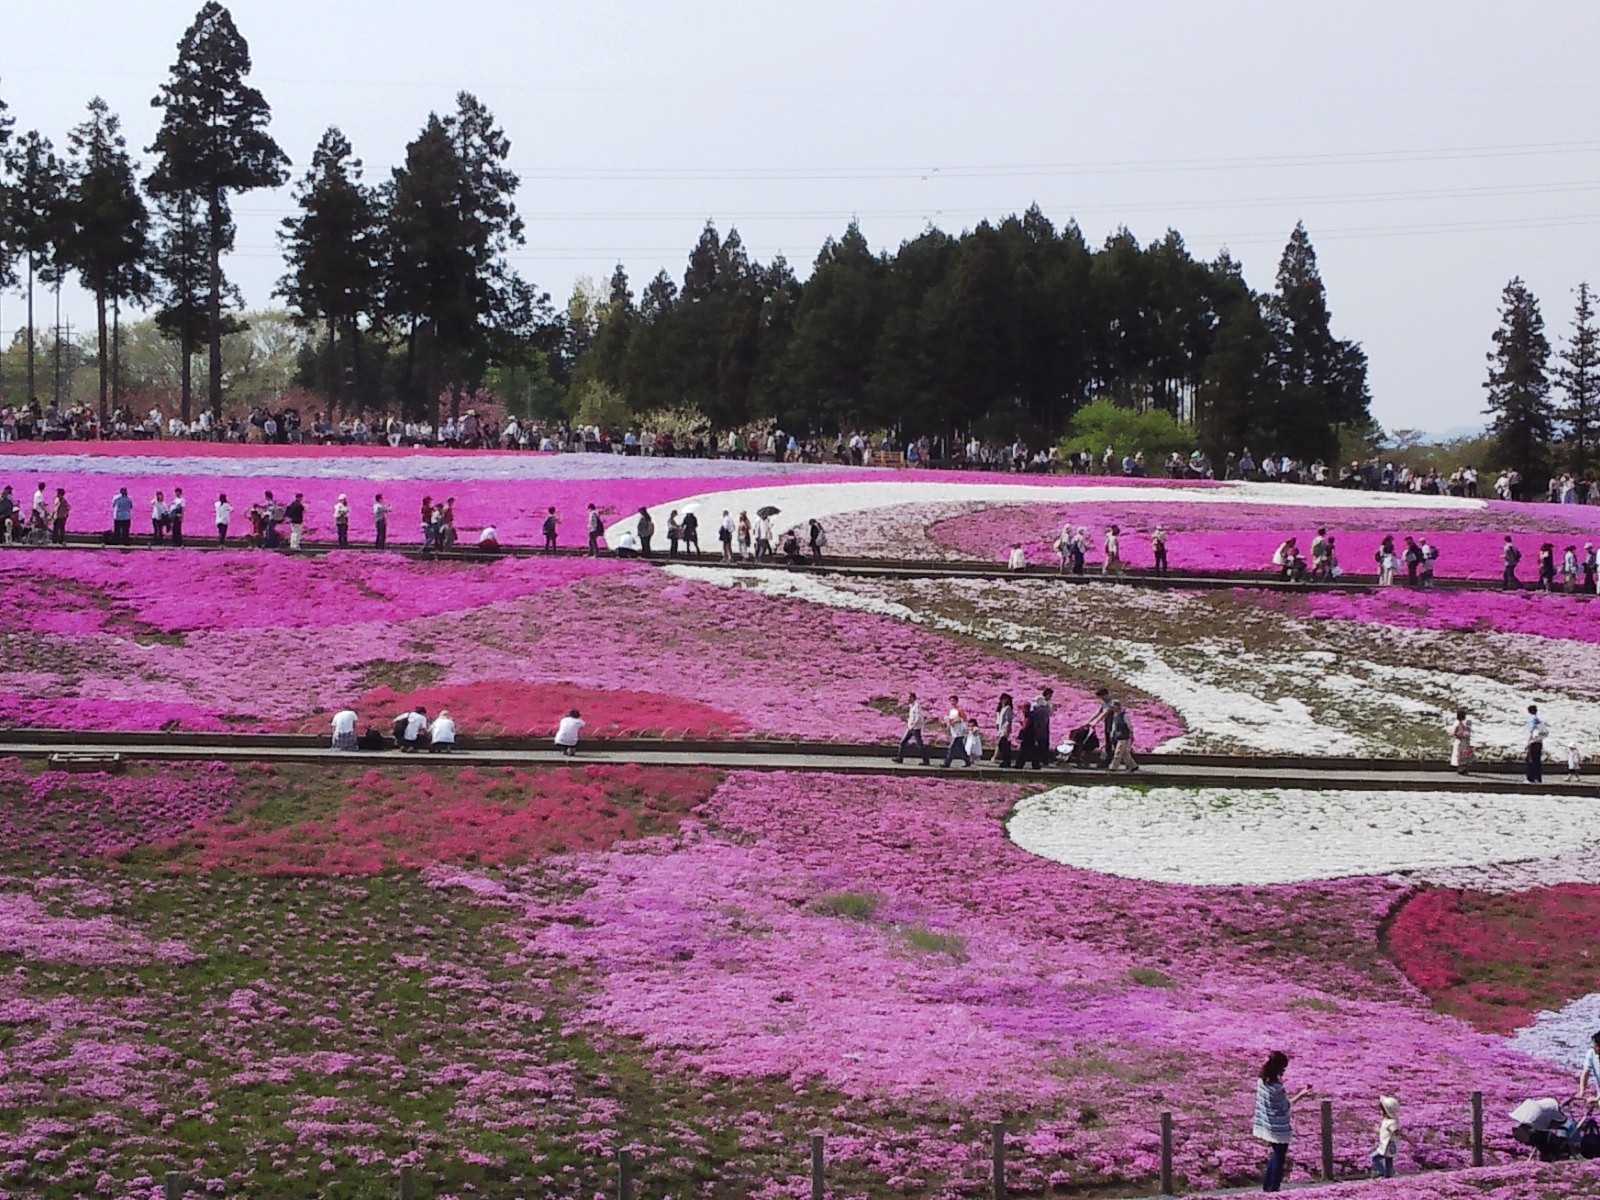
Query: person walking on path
point(1112, 566)
point(295, 513)
point(1273, 1123)
point(725, 535)
point(1510, 556)
point(158, 519)
point(1428, 556)
point(595, 529)
point(1158, 548)
point(567, 732)
point(818, 539)
point(1461, 742)
point(551, 523)
point(691, 534)
point(121, 517)
point(380, 521)
point(1063, 546)
point(956, 722)
point(1121, 740)
point(674, 533)
point(341, 520)
point(1025, 736)
point(914, 731)
point(1386, 560)
point(745, 538)
point(646, 529)
point(175, 514)
point(59, 511)
point(1043, 707)
point(1003, 720)
point(1536, 730)
point(1547, 567)
point(1388, 1133)
point(224, 515)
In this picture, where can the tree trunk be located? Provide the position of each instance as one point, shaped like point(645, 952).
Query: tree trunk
point(214, 308)
point(100, 332)
point(116, 353)
point(55, 391)
point(31, 396)
point(186, 370)
point(334, 374)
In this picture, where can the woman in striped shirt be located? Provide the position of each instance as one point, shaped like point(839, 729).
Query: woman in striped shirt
point(1272, 1117)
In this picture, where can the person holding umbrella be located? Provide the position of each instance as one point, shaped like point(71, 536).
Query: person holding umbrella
point(764, 517)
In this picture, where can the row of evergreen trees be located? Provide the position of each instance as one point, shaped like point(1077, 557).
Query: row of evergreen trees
point(418, 260)
point(1545, 417)
point(1005, 330)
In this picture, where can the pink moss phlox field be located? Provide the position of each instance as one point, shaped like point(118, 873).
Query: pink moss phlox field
point(240, 643)
point(487, 817)
point(1554, 616)
point(56, 814)
point(173, 592)
point(1243, 537)
point(885, 939)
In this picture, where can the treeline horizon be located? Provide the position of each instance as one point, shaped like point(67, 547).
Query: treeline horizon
point(1004, 330)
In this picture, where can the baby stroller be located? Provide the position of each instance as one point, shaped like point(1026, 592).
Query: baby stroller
point(1549, 1132)
point(1081, 747)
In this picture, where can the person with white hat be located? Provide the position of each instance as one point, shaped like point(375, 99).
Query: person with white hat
point(341, 519)
point(1388, 1132)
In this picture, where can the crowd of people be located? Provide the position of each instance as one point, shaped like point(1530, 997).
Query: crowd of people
point(1022, 734)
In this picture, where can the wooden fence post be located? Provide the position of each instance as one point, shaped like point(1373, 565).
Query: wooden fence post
point(624, 1175)
point(175, 1186)
point(408, 1184)
point(1327, 1141)
point(997, 1144)
point(1166, 1155)
point(818, 1183)
point(1477, 1129)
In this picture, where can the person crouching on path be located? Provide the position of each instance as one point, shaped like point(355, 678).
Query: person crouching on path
point(956, 721)
point(410, 734)
point(914, 731)
point(1273, 1121)
point(442, 734)
point(344, 730)
point(567, 732)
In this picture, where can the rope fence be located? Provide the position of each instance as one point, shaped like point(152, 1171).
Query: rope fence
point(1330, 1134)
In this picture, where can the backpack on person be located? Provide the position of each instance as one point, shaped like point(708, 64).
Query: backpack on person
point(549, 527)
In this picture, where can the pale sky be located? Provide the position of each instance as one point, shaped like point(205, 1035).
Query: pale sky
point(1433, 149)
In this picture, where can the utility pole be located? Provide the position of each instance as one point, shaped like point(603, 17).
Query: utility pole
point(57, 390)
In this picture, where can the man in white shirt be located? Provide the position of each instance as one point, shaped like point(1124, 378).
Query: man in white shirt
point(956, 721)
point(914, 731)
point(416, 722)
point(344, 729)
point(1536, 731)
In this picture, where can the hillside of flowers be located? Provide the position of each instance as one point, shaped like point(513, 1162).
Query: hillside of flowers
point(292, 980)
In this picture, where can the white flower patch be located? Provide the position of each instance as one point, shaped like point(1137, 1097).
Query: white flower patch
point(1216, 836)
point(1561, 1036)
point(797, 503)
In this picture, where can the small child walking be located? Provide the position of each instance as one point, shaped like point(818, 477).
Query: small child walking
point(1388, 1132)
point(1574, 761)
